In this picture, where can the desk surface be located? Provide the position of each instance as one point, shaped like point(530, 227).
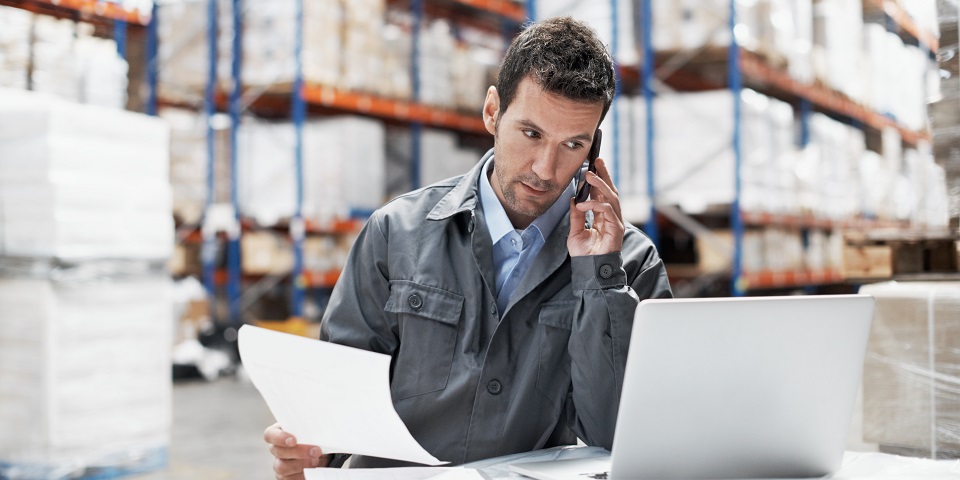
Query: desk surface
point(856, 465)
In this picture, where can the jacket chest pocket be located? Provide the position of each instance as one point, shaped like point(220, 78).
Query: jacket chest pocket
point(553, 329)
point(428, 320)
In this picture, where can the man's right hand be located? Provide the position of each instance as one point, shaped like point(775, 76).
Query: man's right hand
point(291, 458)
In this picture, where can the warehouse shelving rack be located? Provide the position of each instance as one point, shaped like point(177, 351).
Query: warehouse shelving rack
point(300, 99)
point(746, 68)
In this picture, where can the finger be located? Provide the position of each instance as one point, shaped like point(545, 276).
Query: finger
point(604, 173)
point(606, 216)
point(604, 192)
point(286, 468)
point(298, 452)
point(578, 218)
point(274, 435)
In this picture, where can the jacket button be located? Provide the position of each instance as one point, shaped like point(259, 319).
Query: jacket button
point(470, 226)
point(606, 271)
point(494, 387)
point(415, 301)
point(493, 308)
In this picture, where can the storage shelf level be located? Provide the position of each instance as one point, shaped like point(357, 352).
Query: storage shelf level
point(757, 71)
point(760, 219)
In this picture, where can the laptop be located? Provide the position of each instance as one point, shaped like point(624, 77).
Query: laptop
point(760, 387)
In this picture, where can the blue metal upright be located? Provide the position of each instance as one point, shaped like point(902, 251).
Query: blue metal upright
point(416, 128)
point(233, 243)
point(738, 286)
point(646, 29)
point(616, 94)
point(298, 112)
point(806, 109)
point(120, 36)
point(151, 107)
point(532, 10)
point(208, 250)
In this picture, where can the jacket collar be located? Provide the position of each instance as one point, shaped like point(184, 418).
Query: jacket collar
point(464, 196)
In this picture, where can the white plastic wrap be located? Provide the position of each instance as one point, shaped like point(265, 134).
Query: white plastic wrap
point(911, 378)
point(81, 181)
point(84, 370)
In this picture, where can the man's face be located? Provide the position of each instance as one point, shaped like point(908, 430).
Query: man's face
point(540, 142)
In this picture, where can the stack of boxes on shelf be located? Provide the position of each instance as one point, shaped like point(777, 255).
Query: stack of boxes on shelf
point(357, 46)
point(60, 57)
point(85, 311)
point(15, 27)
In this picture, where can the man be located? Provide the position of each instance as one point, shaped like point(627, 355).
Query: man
point(507, 319)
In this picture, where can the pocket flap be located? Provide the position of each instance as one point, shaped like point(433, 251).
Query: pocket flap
point(411, 298)
point(558, 314)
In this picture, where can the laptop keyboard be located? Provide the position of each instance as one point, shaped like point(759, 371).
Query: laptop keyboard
point(597, 476)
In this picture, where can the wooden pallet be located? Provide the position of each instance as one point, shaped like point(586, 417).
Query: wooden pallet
point(885, 256)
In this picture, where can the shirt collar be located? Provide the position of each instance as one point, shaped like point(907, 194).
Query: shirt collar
point(496, 218)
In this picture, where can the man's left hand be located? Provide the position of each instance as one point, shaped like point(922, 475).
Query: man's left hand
point(606, 233)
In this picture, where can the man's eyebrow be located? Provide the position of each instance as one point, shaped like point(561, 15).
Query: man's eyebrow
point(533, 126)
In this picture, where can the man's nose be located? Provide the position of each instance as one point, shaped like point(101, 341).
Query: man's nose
point(545, 163)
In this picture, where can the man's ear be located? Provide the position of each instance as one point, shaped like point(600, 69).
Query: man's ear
point(491, 109)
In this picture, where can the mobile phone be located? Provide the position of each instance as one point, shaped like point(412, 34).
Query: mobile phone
point(583, 190)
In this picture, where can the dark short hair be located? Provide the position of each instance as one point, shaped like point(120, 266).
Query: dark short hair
point(562, 55)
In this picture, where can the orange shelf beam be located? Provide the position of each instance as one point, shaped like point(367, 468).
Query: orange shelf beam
point(392, 109)
point(94, 8)
point(905, 21)
point(325, 279)
point(310, 279)
point(785, 279)
point(505, 8)
point(761, 219)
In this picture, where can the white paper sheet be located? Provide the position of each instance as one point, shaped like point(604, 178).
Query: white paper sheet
point(403, 473)
point(329, 395)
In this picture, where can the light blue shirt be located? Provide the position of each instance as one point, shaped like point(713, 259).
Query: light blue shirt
point(514, 250)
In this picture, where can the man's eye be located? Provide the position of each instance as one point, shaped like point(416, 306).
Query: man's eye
point(574, 145)
point(531, 133)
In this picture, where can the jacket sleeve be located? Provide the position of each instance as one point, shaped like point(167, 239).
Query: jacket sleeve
point(608, 288)
point(354, 315)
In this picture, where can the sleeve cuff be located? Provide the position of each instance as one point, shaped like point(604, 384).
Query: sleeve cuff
point(595, 272)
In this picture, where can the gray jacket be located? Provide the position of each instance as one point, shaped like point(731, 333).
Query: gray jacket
point(419, 286)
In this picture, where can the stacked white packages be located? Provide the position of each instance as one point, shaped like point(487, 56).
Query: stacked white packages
point(437, 48)
point(833, 177)
point(14, 47)
point(183, 54)
point(600, 15)
point(838, 45)
point(827, 180)
point(56, 68)
point(84, 373)
point(627, 162)
point(894, 76)
point(693, 148)
point(781, 30)
point(343, 168)
point(82, 181)
point(441, 157)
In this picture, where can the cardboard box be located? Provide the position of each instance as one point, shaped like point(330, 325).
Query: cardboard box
point(911, 386)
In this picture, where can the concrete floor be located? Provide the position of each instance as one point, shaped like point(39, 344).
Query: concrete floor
point(217, 432)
